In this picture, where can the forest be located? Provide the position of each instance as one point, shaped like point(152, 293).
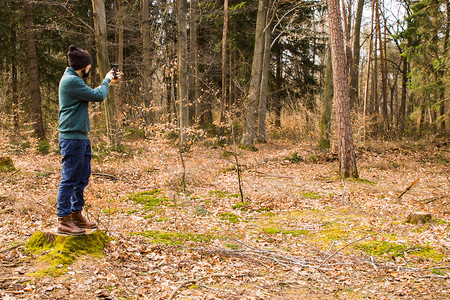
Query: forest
point(270, 149)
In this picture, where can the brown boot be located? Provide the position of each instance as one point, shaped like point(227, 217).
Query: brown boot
point(81, 222)
point(66, 226)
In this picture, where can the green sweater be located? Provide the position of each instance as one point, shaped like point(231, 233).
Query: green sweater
point(74, 98)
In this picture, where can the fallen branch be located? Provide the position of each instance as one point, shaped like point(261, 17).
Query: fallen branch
point(337, 251)
point(112, 177)
point(271, 175)
point(408, 188)
point(184, 283)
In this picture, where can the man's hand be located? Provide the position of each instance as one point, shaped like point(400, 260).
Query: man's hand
point(110, 75)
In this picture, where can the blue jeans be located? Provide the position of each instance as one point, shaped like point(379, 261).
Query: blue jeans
point(76, 170)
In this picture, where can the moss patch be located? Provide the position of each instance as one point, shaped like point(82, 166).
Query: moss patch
point(383, 248)
point(229, 217)
point(150, 199)
point(6, 164)
point(244, 206)
point(311, 195)
point(174, 238)
point(61, 251)
point(222, 194)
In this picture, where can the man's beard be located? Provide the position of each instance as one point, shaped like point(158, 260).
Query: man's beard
point(85, 74)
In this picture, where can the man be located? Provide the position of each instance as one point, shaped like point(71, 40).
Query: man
point(74, 125)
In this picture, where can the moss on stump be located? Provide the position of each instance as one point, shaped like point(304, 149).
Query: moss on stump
point(59, 251)
point(6, 164)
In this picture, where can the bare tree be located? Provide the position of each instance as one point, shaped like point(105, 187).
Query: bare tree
point(35, 86)
point(101, 42)
point(347, 161)
point(251, 105)
point(182, 71)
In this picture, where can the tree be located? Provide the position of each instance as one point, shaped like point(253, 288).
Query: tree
point(263, 95)
point(224, 59)
point(33, 67)
point(354, 68)
point(183, 71)
point(347, 160)
point(251, 105)
point(325, 121)
point(146, 60)
point(98, 7)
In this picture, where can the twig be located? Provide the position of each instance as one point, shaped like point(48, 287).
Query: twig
point(13, 247)
point(271, 175)
point(408, 188)
point(343, 193)
point(237, 163)
point(183, 179)
point(112, 177)
point(186, 282)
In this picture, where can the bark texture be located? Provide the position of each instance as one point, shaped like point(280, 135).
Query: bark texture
point(347, 161)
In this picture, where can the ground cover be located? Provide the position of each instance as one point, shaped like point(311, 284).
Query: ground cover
point(301, 232)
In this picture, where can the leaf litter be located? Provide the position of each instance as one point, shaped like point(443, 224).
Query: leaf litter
point(302, 232)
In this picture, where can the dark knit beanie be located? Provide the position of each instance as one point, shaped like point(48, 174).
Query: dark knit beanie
point(78, 58)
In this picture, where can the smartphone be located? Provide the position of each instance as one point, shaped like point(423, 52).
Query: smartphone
point(115, 66)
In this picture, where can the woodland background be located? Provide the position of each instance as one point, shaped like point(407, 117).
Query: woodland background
point(220, 159)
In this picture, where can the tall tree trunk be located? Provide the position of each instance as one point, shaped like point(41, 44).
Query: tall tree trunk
point(346, 18)
point(354, 69)
point(369, 62)
point(98, 7)
point(146, 61)
point(251, 105)
point(347, 160)
point(265, 80)
point(33, 68)
point(384, 123)
point(194, 89)
point(119, 89)
point(14, 96)
point(223, 102)
point(278, 85)
point(325, 121)
point(183, 71)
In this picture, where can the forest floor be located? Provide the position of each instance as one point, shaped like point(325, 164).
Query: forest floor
point(301, 232)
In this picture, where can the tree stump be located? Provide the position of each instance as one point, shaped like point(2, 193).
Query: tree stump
point(419, 217)
point(59, 251)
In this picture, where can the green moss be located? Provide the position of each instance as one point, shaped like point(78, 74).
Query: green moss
point(312, 158)
point(232, 246)
point(270, 230)
point(294, 158)
point(200, 210)
point(150, 199)
point(109, 211)
point(43, 147)
point(61, 251)
point(361, 180)
point(333, 234)
point(222, 194)
point(244, 206)
point(296, 232)
point(268, 214)
point(311, 195)
point(6, 164)
point(193, 287)
point(174, 238)
point(265, 209)
point(380, 248)
point(229, 217)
